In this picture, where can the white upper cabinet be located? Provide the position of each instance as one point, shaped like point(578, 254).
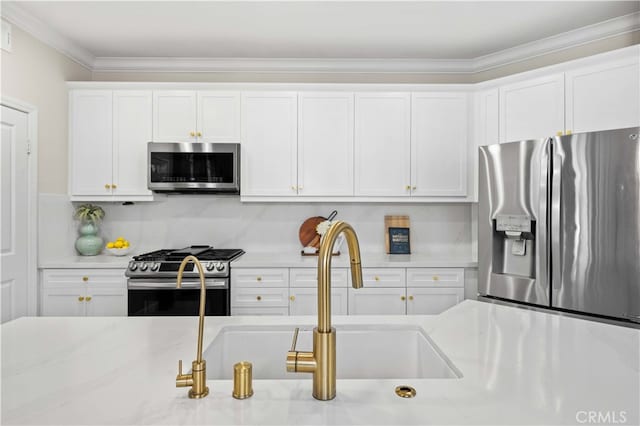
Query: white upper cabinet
point(602, 97)
point(90, 135)
point(439, 144)
point(174, 116)
point(325, 144)
point(218, 116)
point(132, 118)
point(532, 109)
point(269, 144)
point(487, 117)
point(109, 131)
point(382, 144)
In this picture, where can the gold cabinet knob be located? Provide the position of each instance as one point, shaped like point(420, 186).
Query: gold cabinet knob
point(377, 278)
point(408, 187)
point(258, 298)
point(410, 297)
point(300, 188)
point(293, 188)
point(107, 186)
point(568, 132)
point(258, 279)
point(88, 298)
point(402, 298)
point(114, 186)
point(199, 134)
point(292, 298)
point(436, 278)
point(80, 299)
point(192, 134)
point(85, 279)
point(413, 188)
point(559, 133)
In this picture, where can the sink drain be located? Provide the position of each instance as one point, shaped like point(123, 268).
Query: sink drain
point(405, 391)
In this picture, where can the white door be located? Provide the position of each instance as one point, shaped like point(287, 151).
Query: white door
point(532, 109)
point(603, 97)
point(377, 301)
point(382, 144)
point(432, 301)
point(269, 143)
point(304, 301)
point(91, 142)
point(439, 144)
point(218, 116)
point(14, 162)
point(325, 144)
point(174, 116)
point(132, 122)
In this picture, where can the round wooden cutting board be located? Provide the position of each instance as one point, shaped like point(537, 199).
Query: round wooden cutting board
point(308, 235)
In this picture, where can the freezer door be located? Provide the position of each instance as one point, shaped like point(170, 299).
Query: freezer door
point(595, 223)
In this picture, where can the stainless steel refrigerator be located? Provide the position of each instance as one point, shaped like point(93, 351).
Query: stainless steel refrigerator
point(559, 223)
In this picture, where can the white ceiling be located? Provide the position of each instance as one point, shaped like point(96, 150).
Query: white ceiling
point(458, 30)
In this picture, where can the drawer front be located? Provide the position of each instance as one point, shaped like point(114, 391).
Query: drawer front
point(432, 301)
point(259, 277)
point(308, 277)
point(112, 278)
point(238, 311)
point(268, 297)
point(304, 301)
point(383, 277)
point(435, 277)
point(377, 301)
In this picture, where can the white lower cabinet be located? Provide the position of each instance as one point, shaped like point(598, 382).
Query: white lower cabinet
point(304, 301)
point(84, 292)
point(260, 291)
point(432, 301)
point(377, 301)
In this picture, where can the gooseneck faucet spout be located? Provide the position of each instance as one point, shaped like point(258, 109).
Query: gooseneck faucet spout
point(198, 377)
point(322, 360)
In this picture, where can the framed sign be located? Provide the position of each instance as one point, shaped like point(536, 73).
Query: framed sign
point(399, 242)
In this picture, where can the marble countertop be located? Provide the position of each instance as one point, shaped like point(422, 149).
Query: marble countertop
point(273, 260)
point(518, 366)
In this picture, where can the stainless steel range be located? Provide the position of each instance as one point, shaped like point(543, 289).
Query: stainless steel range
point(152, 282)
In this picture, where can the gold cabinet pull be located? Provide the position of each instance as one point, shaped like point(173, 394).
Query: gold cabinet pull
point(107, 186)
point(80, 299)
point(410, 297)
point(559, 133)
point(85, 279)
point(199, 134)
point(292, 298)
point(258, 279)
point(377, 278)
point(568, 132)
point(114, 186)
point(402, 298)
point(293, 188)
point(192, 134)
point(414, 188)
point(88, 298)
point(258, 298)
point(436, 278)
point(408, 187)
point(300, 188)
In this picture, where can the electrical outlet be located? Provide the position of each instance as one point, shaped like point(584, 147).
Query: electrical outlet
point(7, 41)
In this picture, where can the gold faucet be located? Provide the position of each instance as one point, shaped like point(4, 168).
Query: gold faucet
point(322, 360)
point(198, 377)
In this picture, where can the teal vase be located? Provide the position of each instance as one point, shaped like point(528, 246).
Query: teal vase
point(89, 244)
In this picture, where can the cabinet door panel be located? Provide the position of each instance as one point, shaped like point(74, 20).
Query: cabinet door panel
point(603, 97)
point(269, 144)
point(432, 301)
point(64, 301)
point(382, 144)
point(325, 144)
point(384, 277)
point(304, 301)
point(174, 116)
point(106, 301)
point(90, 134)
point(532, 109)
point(308, 277)
point(132, 130)
point(259, 297)
point(435, 277)
point(439, 144)
point(377, 301)
point(218, 116)
point(259, 277)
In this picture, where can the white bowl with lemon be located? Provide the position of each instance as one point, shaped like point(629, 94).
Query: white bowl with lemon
point(119, 247)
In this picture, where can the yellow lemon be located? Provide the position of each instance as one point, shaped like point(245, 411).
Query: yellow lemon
point(110, 244)
point(120, 239)
point(118, 244)
point(125, 244)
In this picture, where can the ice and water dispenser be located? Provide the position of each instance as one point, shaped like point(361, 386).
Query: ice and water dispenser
point(514, 245)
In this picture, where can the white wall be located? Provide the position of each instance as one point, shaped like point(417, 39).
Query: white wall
point(174, 221)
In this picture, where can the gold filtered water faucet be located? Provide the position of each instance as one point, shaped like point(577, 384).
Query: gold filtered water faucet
point(198, 377)
point(322, 360)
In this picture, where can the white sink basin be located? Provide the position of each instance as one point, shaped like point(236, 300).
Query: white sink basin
point(363, 352)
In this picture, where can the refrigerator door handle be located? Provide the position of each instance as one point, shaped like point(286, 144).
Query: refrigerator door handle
point(556, 237)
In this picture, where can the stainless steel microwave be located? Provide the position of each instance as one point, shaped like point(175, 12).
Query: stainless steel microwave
point(193, 167)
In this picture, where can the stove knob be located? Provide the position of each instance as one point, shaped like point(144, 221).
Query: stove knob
point(155, 267)
point(144, 267)
point(220, 266)
point(133, 266)
point(209, 266)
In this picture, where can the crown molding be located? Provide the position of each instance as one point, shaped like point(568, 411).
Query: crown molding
point(43, 32)
point(580, 36)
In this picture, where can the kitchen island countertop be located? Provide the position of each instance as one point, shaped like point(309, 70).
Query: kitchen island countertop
point(518, 367)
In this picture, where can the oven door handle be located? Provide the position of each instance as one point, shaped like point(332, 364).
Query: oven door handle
point(149, 284)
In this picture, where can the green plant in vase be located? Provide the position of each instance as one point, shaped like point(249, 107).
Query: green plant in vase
point(90, 216)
